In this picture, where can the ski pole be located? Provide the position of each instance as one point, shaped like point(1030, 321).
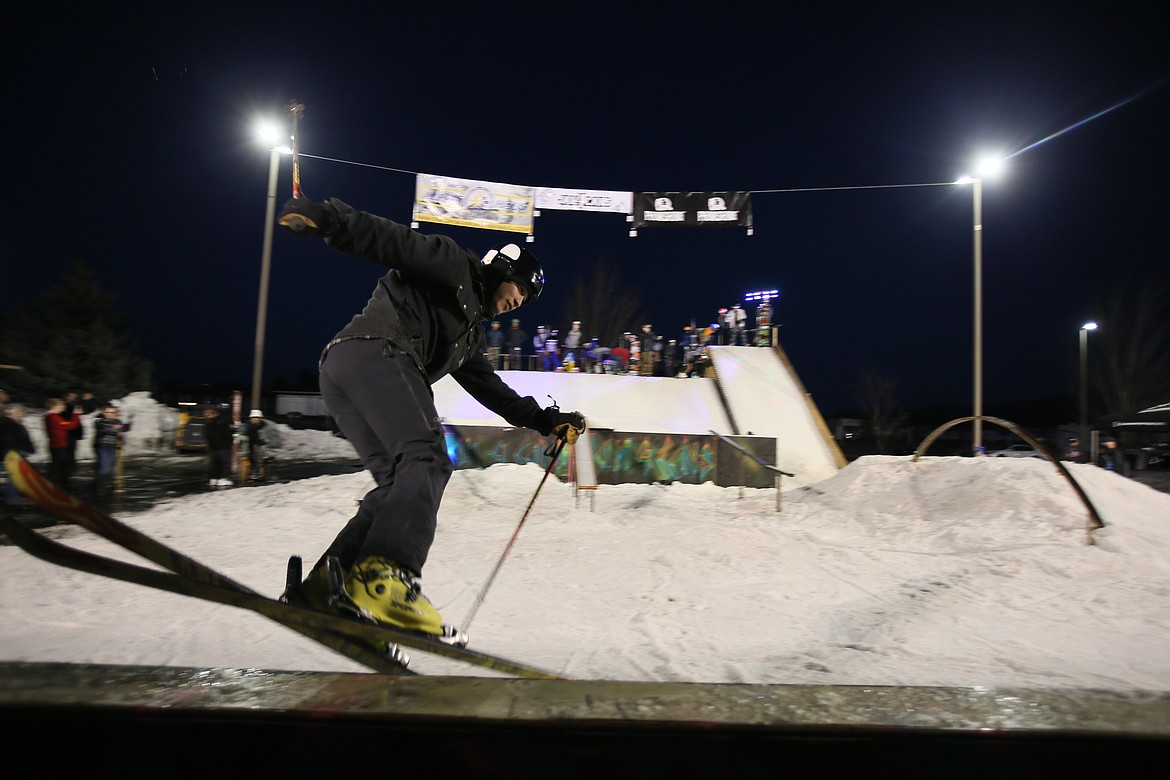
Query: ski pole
point(295, 222)
point(555, 451)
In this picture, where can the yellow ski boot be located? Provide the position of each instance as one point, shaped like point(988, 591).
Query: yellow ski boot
point(389, 594)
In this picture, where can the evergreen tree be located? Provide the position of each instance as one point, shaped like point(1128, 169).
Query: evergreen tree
point(71, 338)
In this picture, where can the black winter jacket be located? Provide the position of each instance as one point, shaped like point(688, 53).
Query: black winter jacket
point(218, 432)
point(14, 436)
point(431, 303)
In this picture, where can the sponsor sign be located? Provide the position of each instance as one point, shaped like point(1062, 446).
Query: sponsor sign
point(692, 209)
point(471, 203)
point(584, 200)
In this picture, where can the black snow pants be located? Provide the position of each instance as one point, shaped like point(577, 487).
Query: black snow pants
point(384, 405)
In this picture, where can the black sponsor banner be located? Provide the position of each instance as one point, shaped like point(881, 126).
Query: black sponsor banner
point(692, 209)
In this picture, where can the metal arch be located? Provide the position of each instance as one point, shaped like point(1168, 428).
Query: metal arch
point(1095, 520)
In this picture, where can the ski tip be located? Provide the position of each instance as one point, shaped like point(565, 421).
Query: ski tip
point(293, 572)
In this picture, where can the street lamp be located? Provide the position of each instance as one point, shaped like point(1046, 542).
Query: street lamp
point(1088, 326)
point(988, 166)
point(269, 134)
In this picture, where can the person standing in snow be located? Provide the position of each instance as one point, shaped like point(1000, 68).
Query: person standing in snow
point(1107, 457)
point(1073, 452)
point(515, 339)
point(572, 344)
point(539, 346)
point(13, 436)
point(255, 433)
point(495, 344)
point(219, 436)
point(648, 348)
point(552, 351)
point(61, 423)
point(423, 322)
point(109, 432)
point(737, 321)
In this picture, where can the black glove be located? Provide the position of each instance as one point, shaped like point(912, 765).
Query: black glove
point(563, 425)
point(306, 218)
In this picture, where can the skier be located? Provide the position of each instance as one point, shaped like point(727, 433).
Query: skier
point(424, 321)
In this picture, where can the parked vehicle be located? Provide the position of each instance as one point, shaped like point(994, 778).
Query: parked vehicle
point(191, 436)
point(1157, 455)
point(1016, 451)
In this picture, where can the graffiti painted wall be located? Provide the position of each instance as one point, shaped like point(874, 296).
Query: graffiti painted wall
point(621, 457)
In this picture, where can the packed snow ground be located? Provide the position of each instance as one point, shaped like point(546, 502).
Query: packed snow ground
point(943, 572)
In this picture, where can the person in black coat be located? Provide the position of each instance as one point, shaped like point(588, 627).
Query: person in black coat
point(14, 436)
point(423, 322)
point(1074, 452)
point(515, 338)
point(218, 433)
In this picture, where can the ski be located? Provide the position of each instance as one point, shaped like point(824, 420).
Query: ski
point(63, 555)
point(188, 577)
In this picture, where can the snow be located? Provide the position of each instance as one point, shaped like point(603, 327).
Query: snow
point(942, 572)
point(153, 427)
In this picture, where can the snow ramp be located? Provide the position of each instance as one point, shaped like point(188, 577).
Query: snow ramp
point(619, 402)
point(755, 393)
point(763, 396)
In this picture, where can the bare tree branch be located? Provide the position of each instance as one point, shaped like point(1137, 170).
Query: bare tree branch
point(1134, 346)
point(604, 303)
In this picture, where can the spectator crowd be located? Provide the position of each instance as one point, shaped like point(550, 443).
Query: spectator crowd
point(76, 420)
point(64, 433)
point(645, 352)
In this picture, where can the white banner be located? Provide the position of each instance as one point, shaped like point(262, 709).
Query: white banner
point(584, 200)
point(471, 203)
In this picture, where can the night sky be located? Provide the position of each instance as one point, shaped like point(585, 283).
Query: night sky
point(130, 146)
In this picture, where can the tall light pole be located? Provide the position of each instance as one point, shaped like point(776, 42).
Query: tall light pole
point(1088, 326)
point(977, 211)
point(987, 166)
point(265, 266)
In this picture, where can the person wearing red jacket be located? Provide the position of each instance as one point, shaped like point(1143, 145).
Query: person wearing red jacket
point(62, 445)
